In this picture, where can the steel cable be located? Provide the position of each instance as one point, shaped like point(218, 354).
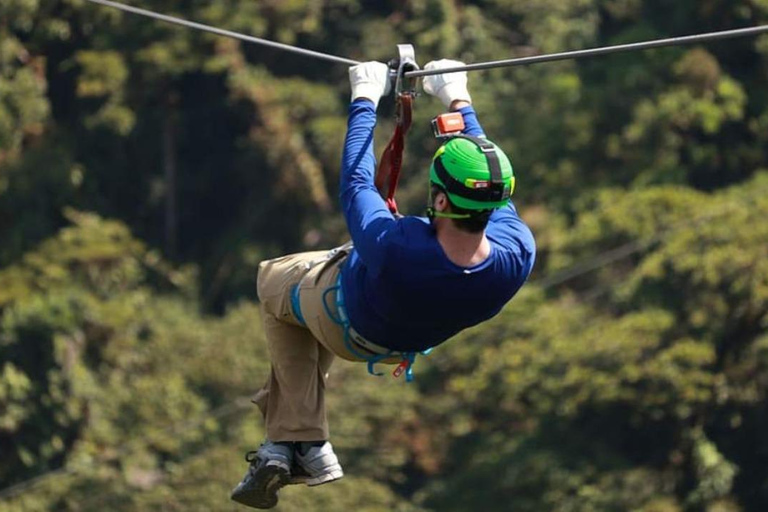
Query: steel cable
point(594, 52)
point(227, 33)
point(521, 61)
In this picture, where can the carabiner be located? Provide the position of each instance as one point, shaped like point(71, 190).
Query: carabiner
point(406, 61)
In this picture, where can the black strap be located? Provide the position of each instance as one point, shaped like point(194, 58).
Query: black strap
point(489, 151)
point(497, 191)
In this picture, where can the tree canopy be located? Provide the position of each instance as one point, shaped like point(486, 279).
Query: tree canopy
point(146, 169)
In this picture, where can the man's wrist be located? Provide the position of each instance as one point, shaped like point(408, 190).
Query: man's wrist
point(458, 104)
point(369, 91)
point(362, 99)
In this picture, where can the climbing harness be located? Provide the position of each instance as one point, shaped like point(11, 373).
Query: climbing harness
point(388, 172)
point(354, 342)
point(376, 353)
point(328, 257)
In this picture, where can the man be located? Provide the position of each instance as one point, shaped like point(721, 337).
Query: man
point(408, 284)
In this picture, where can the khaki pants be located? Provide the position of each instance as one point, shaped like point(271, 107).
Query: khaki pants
point(293, 399)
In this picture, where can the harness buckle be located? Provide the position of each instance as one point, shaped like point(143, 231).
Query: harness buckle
point(402, 367)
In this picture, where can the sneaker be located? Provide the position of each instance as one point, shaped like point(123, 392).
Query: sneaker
point(298, 475)
point(319, 464)
point(269, 471)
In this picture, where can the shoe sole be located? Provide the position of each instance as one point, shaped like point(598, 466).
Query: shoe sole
point(263, 494)
point(325, 478)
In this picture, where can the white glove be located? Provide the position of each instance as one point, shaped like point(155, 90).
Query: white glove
point(369, 80)
point(449, 87)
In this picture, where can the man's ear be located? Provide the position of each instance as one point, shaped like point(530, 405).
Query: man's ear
point(441, 202)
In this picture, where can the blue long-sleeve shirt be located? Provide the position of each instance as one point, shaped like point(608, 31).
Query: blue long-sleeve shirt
point(401, 290)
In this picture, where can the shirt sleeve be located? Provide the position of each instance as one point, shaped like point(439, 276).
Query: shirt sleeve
point(505, 224)
point(510, 231)
point(368, 219)
point(471, 124)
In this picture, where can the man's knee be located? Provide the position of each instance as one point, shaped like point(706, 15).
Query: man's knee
point(269, 287)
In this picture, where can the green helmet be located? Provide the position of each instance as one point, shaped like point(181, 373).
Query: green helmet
point(474, 173)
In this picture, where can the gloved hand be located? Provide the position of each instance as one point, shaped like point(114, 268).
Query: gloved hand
point(369, 80)
point(449, 87)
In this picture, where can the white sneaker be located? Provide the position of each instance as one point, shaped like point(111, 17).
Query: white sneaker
point(320, 465)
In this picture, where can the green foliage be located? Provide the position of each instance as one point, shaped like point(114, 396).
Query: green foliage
point(24, 107)
point(102, 77)
point(633, 376)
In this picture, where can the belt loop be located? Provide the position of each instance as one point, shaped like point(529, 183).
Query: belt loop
point(333, 257)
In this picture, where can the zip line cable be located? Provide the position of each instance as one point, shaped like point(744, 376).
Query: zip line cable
point(226, 33)
point(594, 52)
point(521, 61)
point(626, 250)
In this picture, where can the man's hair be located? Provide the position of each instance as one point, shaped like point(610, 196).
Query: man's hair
point(477, 220)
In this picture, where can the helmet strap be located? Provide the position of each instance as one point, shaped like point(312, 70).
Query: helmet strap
point(434, 214)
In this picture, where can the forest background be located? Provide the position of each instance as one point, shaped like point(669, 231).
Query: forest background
point(146, 169)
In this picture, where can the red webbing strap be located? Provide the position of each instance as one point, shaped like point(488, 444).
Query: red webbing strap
point(391, 160)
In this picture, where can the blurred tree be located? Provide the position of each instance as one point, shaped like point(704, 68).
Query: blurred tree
point(638, 385)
